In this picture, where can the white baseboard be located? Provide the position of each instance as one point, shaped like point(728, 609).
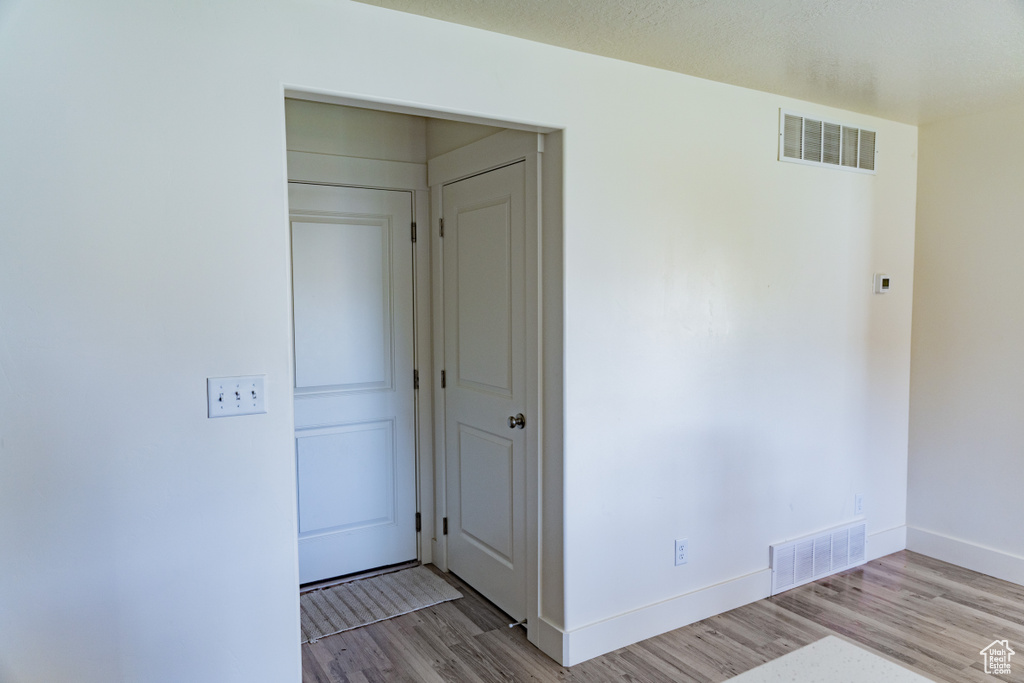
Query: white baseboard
point(610, 634)
point(882, 543)
point(550, 639)
point(979, 558)
point(602, 637)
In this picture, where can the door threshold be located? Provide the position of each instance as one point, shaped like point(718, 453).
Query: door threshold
point(348, 578)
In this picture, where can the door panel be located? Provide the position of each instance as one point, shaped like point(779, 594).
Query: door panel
point(342, 294)
point(354, 400)
point(485, 352)
point(348, 477)
point(486, 468)
point(484, 308)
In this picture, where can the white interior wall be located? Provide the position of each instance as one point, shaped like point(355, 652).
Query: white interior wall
point(729, 377)
point(966, 433)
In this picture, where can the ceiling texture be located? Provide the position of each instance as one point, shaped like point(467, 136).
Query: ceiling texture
point(914, 61)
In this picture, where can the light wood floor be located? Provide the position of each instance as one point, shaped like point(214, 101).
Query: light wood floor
point(929, 616)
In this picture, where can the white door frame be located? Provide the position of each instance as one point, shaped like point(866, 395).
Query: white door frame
point(493, 152)
point(330, 169)
point(546, 630)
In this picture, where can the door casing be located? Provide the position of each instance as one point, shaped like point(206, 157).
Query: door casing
point(544, 628)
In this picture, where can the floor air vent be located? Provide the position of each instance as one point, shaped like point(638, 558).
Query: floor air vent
point(822, 143)
point(807, 559)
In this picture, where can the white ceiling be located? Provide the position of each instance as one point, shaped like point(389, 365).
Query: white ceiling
point(914, 61)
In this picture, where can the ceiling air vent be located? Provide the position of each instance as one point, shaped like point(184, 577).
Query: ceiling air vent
point(804, 140)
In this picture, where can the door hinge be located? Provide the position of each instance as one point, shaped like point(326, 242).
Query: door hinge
point(415, 380)
point(442, 227)
point(418, 522)
point(444, 526)
point(444, 381)
point(414, 231)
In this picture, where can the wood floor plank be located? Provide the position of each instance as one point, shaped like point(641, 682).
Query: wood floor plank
point(312, 672)
point(431, 657)
point(351, 651)
point(408, 661)
point(953, 578)
point(933, 622)
point(883, 631)
point(475, 607)
point(450, 626)
point(897, 615)
point(634, 667)
point(691, 647)
point(924, 614)
point(668, 658)
point(508, 650)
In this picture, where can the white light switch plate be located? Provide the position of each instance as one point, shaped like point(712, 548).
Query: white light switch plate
point(229, 396)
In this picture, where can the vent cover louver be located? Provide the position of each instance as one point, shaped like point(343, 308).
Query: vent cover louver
point(808, 559)
point(804, 140)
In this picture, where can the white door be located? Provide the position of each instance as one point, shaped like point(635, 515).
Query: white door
point(354, 402)
point(486, 383)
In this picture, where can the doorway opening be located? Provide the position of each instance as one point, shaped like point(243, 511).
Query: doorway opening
point(426, 284)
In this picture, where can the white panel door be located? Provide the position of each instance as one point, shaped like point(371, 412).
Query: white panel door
point(486, 383)
point(352, 291)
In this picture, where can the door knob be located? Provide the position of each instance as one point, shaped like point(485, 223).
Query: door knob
point(517, 421)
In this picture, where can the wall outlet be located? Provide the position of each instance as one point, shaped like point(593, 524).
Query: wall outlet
point(681, 551)
point(881, 283)
point(858, 503)
point(229, 396)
